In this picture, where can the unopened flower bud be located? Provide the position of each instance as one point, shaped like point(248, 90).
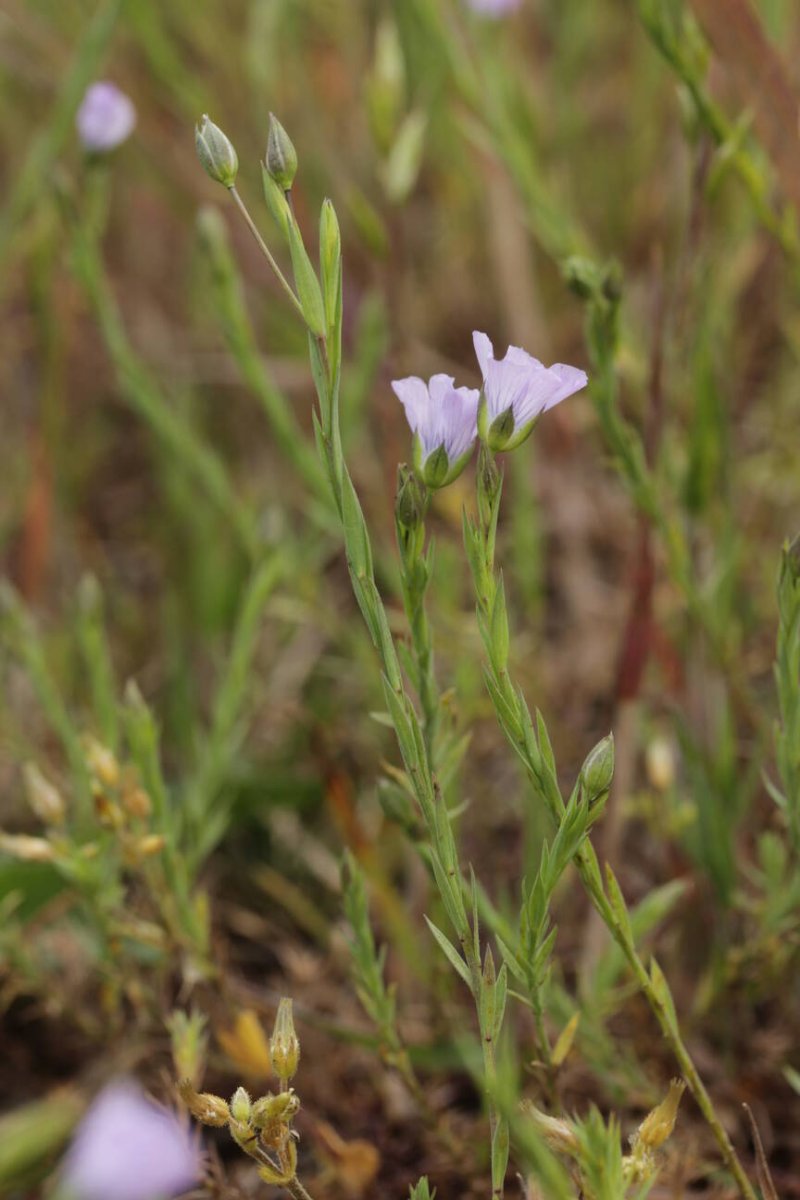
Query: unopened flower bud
point(412, 497)
point(281, 157)
point(28, 849)
point(659, 1124)
point(204, 1106)
point(284, 1045)
point(241, 1107)
point(43, 797)
point(101, 762)
point(597, 771)
point(271, 1110)
point(556, 1132)
point(582, 276)
point(489, 476)
point(216, 152)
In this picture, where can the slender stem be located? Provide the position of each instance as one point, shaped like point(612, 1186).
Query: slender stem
point(414, 581)
point(297, 1190)
point(585, 859)
point(668, 1026)
point(265, 250)
point(419, 767)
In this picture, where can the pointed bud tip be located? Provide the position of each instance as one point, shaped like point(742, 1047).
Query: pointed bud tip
point(597, 771)
point(241, 1106)
point(284, 1044)
point(281, 157)
point(216, 152)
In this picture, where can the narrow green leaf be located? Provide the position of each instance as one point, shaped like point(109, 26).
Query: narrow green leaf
point(450, 952)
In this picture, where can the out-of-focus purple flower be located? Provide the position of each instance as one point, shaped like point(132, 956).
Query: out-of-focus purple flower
point(444, 420)
point(517, 389)
point(128, 1149)
point(105, 118)
point(494, 8)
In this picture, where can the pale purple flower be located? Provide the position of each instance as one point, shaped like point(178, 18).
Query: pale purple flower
point(126, 1148)
point(105, 118)
point(494, 8)
point(444, 420)
point(517, 389)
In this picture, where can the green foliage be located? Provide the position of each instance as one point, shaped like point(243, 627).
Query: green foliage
point(480, 184)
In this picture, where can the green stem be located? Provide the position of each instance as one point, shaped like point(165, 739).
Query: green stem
point(414, 579)
point(410, 736)
point(585, 860)
point(297, 1190)
point(265, 250)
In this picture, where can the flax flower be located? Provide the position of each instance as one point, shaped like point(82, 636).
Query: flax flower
point(444, 421)
point(128, 1149)
point(494, 8)
point(517, 389)
point(105, 118)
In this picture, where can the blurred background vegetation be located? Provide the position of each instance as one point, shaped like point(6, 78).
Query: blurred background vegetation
point(175, 590)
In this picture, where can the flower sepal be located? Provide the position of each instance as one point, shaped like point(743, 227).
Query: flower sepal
point(502, 432)
point(520, 435)
point(434, 470)
point(437, 471)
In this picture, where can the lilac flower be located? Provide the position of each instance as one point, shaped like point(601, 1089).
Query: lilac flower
point(105, 118)
point(128, 1149)
point(494, 8)
point(444, 420)
point(517, 389)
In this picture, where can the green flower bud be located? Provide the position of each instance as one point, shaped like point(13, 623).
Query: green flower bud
point(412, 497)
point(597, 771)
point(204, 1106)
point(490, 479)
point(284, 1044)
point(271, 1110)
point(582, 276)
point(241, 1107)
point(216, 152)
point(281, 155)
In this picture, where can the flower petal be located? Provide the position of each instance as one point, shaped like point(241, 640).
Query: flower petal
point(129, 1149)
point(413, 395)
point(505, 386)
point(521, 358)
point(439, 387)
point(459, 414)
point(572, 379)
point(484, 351)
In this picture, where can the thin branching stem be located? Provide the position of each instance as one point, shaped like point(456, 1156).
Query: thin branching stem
point(265, 250)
